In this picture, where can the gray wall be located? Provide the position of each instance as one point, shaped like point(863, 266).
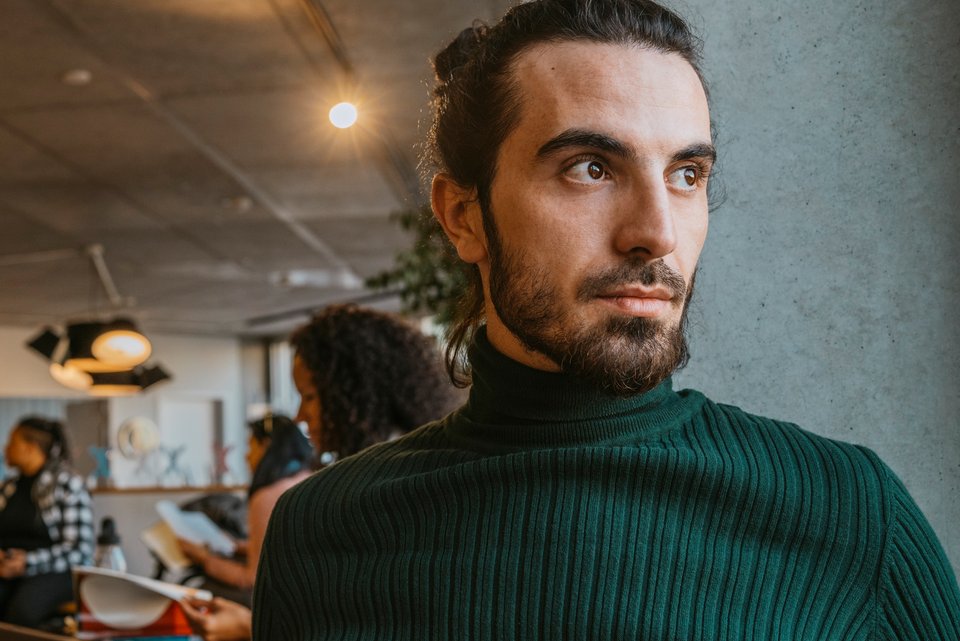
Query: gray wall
point(828, 288)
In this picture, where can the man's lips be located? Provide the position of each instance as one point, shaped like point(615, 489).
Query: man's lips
point(638, 291)
point(638, 300)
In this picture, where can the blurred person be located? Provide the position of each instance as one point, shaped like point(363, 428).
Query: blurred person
point(279, 456)
point(46, 523)
point(364, 377)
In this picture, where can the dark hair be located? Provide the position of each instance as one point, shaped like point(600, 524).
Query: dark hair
point(476, 102)
point(375, 376)
point(48, 434)
point(288, 453)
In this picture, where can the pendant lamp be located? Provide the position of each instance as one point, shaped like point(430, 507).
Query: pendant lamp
point(121, 345)
point(127, 382)
point(100, 357)
point(70, 376)
point(45, 343)
point(80, 338)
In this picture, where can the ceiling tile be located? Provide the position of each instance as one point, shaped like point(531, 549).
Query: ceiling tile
point(185, 46)
point(73, 207)
point(37, 49)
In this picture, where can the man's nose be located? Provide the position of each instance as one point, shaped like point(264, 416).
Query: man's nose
point(645, 224)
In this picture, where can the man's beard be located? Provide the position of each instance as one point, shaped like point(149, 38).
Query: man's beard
point(622, 355)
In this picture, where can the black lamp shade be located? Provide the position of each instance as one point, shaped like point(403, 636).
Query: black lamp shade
point(126, 382)
point(45, 343)
point(114, 383)
point(153, 376)
point(80, 352)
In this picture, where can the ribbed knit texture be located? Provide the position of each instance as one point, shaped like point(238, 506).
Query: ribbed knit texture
point(546, 510)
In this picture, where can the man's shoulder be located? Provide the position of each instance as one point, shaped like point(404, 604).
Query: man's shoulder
point(378, 464)
point(787, 441)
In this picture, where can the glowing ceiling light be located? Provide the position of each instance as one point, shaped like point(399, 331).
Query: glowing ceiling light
point(343, 115)
point(121, 345)
point(72, 377)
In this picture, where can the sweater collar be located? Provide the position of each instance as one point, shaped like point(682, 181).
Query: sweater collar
point(516, 404)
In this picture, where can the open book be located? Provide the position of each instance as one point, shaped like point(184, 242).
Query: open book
point(196, 527)
point(116, 602)
point(162, 541)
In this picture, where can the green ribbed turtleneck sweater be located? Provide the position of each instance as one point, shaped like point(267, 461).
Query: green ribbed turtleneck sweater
point(543, 509)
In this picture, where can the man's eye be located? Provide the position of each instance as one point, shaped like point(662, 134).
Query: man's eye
point(686, 178)
point(587, 171)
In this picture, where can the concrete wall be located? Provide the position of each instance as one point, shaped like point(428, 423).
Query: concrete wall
point(828, 289)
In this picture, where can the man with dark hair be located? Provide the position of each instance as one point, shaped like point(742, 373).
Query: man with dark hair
point(577, 495)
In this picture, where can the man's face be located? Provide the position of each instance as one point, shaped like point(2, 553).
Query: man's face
point(599, 213)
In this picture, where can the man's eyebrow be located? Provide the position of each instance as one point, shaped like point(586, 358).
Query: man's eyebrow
point(697, 150)
point(608, 144)
point(585, 138)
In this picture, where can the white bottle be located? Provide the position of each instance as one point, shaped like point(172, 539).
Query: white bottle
point(109, 555)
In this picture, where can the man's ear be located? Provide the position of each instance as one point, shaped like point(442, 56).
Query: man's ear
point(458, 212)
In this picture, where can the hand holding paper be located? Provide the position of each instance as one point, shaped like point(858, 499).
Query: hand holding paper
point(219, 620)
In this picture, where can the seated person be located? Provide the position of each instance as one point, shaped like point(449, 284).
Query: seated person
point(46, 523)
point(279, 457)
point(363, 377)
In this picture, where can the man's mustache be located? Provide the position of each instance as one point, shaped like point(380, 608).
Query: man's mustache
point(631, 273)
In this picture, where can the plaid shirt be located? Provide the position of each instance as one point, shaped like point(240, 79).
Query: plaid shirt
point(66, 509)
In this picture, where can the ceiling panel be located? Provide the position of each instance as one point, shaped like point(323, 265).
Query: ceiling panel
point(21, 234)
point(48, 291)
point(37, 49)
point(21, 160)
point(263, 246)
point(198, 143)
point(128, 149)
point(279, 126)
point(74, 207)
point(346, 189)
point(368, 244)
point(186, 46)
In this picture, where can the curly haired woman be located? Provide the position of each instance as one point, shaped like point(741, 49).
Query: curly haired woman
point(365, 377)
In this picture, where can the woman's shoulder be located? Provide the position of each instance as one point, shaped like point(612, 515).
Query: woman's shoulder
point(63, 476)
point(269, 494)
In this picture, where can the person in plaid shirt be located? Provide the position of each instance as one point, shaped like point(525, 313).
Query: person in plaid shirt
point(46, 523)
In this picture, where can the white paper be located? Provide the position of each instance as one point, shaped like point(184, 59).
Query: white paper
point(127, 601)
point(195, 527)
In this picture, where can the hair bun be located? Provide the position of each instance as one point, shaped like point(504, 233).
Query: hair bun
point(459, 52)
